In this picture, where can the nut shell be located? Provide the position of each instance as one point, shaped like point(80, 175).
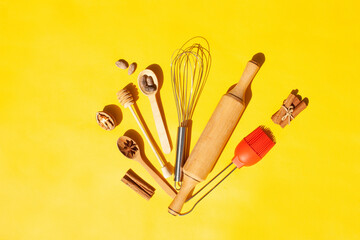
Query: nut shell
point(105, 120)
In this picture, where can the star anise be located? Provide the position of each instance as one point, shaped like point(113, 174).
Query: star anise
point(129, 148)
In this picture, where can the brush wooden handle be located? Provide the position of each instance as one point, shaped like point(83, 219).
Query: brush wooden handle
point(160, 126)
point(157, 177)
point(214, 137)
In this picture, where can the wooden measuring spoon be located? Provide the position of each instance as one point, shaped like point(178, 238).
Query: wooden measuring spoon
point(150, 91)
point(130, 149)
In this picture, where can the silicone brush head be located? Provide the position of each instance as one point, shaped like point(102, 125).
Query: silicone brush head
point(253, 147)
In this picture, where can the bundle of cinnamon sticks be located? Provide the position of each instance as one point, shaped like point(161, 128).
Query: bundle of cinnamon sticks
point(291, 107)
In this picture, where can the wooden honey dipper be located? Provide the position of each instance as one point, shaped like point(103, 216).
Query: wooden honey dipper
point(215, 135)
point(126, 99)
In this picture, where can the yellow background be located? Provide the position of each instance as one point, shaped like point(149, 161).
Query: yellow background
point(60, 172)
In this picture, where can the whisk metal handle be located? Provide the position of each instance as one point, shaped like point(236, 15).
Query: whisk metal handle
point(180, 153)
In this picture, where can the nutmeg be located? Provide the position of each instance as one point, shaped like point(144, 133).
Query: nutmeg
point(105, 120)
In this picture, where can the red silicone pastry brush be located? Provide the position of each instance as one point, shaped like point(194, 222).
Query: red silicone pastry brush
point(253, 147)
point(249, 151)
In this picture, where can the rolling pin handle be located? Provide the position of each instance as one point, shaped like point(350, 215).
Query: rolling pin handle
point(187, 187)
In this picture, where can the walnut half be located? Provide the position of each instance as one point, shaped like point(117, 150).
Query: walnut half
point(105, 120)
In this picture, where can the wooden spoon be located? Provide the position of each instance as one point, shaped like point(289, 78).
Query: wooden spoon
point(127, 100)
point(130, 149)
point(159, 122)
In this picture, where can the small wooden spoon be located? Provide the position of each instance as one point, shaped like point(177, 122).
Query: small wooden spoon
point(159, 122)
point(130, 149)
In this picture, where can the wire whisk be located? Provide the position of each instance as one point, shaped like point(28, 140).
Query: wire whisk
point(190, 66)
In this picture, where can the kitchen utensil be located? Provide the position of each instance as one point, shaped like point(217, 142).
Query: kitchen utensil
point(159, 123)
point(126, 99)
point(130, 149)
point(248, 152)
point(190, 67)
point(214, 137)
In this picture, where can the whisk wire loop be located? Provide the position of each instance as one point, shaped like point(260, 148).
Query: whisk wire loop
point(189, 71)
point(190, 67)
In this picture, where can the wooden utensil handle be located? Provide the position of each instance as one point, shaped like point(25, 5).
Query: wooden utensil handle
point(187, 186)
point(160, 126)
point(159, 179)
point(248, 75)
point(162, 163)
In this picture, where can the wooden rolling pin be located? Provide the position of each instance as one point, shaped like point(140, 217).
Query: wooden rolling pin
point(215, 136)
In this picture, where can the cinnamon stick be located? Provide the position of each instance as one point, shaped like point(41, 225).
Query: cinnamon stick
point(138, 184)
point(279, 114)
point(291, 107)
point(299, 108)
point(296, 101)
